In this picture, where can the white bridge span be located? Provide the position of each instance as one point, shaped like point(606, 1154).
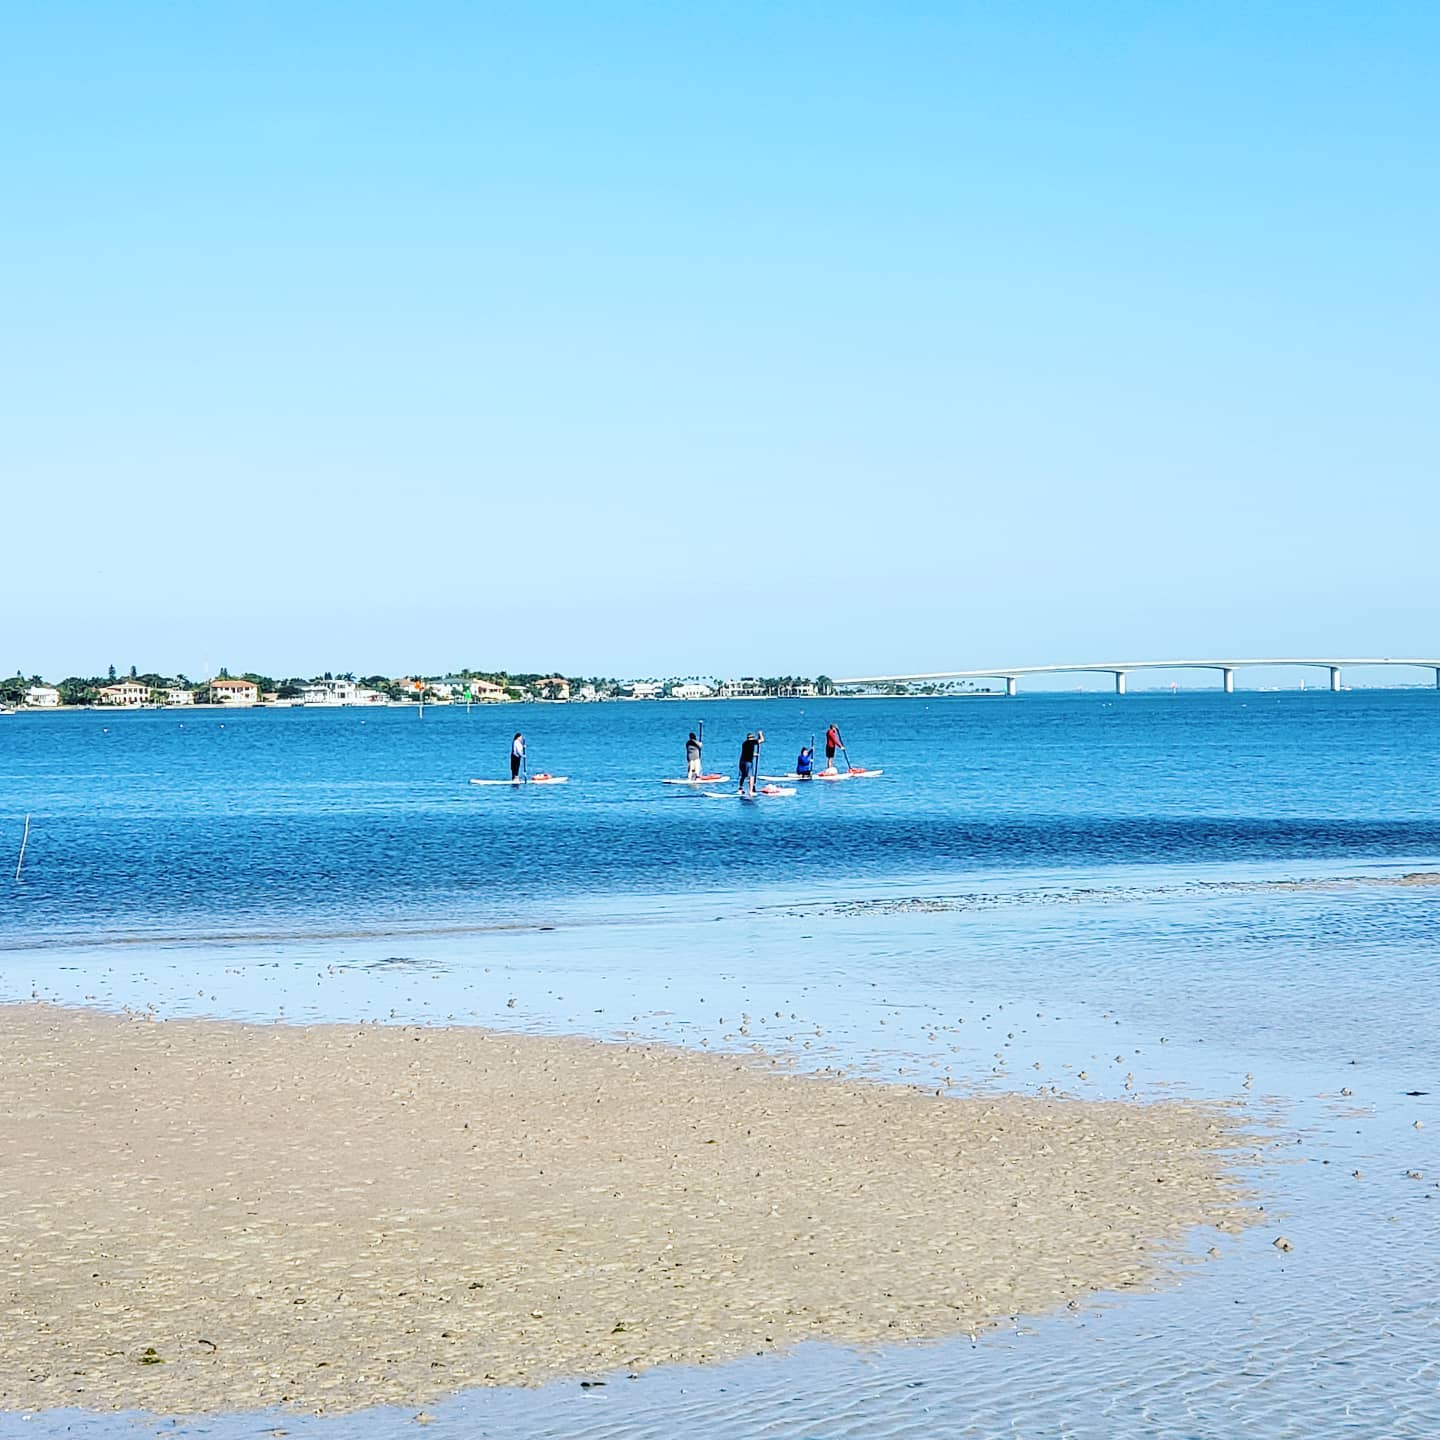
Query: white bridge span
point(1012, 674)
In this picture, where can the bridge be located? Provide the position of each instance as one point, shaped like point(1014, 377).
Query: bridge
point(1012, 674)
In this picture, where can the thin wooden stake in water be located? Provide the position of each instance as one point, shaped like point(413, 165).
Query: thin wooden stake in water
point(23, 839)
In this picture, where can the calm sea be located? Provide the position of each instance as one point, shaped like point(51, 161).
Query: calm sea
point(1187, 894)
point(201, 823)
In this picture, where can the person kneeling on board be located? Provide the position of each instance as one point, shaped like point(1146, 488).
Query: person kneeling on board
point(749, 760)
point(693, 748)
point(805, 763)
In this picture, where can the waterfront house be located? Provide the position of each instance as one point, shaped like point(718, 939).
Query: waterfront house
point(234, 692)
point(481, 691)
point(174, 695)
point(329, 692)
point(740, 689)
point(43, 697)
point(125, 692)
point(691, 690)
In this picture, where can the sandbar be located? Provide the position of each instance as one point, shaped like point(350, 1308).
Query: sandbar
point(201, 1216)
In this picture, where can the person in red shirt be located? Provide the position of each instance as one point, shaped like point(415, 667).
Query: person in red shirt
point(833, 742)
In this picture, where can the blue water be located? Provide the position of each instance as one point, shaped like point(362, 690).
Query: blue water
point(1074, 891)
point(261, 821)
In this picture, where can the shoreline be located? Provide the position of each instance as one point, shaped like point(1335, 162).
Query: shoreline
point(660, 908)
point(221, 1216)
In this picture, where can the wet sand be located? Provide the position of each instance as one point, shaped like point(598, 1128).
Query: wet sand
point(199, 1216)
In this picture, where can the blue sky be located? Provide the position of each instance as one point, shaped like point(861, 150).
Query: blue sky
point(628, 338)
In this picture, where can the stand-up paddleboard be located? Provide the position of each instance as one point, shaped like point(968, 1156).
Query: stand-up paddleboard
point(699, 780)
point(767, 791)
point(827, 775)
point(541, 779)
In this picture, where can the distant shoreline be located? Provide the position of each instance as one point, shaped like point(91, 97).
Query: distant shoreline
point(211, 706)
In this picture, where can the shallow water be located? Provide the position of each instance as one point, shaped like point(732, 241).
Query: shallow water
point(166, 822)
point(827, 932)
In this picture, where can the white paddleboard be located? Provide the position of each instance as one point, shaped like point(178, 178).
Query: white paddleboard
point(699, 780)
point(533, 780)
point(765, 792)
point(827, 775)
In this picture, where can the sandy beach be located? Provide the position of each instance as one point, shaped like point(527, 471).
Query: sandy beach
point(199, 1216)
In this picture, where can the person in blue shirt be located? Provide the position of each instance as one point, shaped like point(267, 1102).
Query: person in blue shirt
point(805, 763)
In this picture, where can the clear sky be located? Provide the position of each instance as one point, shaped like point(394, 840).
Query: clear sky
point(718, 338)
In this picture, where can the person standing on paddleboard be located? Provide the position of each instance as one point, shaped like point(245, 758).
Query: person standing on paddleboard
point(693, 747)
point(749, 760)
point(833, 742)
point(517, 755)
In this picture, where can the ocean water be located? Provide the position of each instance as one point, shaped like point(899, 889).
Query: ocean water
point(162, 822)
point(1189, 894)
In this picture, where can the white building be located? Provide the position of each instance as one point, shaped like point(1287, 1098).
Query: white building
point(329, 692)
point(691, 690)
point(740, 689)
point(234, 692)
point(174, 695)
point(126, 692)
point(643, 689)
point(44, 697)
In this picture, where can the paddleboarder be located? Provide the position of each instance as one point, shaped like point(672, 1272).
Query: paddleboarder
point(833, 742)
point(517, 755)
point(693, 748)
point(805, 763)
point(749, 761)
